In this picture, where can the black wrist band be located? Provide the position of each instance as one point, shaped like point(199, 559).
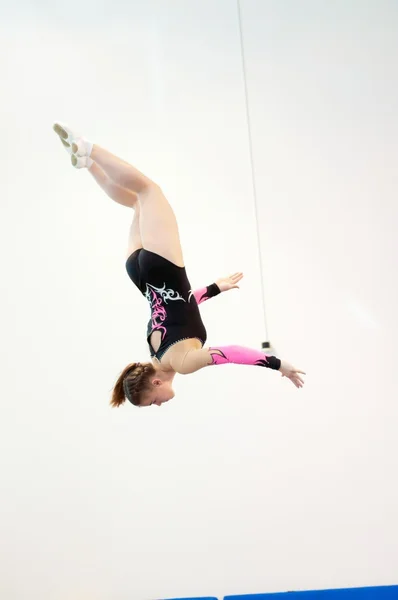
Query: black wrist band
point(213, 290)
point(274, 363)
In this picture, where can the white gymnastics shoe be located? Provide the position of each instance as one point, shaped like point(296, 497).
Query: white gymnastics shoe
point(81, 162)
point(72, 141)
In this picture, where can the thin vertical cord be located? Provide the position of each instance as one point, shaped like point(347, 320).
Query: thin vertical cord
point(252, 163)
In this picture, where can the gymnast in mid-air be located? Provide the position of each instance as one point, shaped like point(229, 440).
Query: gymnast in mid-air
point(176, 335)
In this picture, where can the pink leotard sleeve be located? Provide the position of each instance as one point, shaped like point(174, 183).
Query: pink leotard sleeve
point(243, 356)
point(206, 293)
point(193, 360)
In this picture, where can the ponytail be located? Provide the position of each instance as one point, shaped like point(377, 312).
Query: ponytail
point(132, 384)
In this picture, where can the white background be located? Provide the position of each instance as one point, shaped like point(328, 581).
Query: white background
point(241, 484)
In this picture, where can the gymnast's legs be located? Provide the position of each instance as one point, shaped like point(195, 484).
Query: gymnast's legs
point(154, 225)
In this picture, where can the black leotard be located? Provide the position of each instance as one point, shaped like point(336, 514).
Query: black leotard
point(174, 308)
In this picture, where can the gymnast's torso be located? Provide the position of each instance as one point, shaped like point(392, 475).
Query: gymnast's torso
point(175, 318)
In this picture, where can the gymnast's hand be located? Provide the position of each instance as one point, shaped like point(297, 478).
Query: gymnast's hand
point(229, 283)
point(287, 370)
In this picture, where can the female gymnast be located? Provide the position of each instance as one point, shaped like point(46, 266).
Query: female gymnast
point(175, 334)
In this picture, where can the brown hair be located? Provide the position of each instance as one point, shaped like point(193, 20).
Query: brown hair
point(133, 383)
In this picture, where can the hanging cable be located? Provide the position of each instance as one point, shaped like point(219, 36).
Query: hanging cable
point(266, 343)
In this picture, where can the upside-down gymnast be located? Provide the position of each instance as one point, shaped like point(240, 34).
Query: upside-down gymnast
point(175, 334)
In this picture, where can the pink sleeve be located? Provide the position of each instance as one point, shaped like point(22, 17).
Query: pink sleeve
point(243, 356)
point(198, 359)
point(206, 293)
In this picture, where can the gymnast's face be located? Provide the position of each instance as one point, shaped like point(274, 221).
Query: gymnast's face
point(161, 392)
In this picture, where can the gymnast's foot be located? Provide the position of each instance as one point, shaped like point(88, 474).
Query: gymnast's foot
point(78, 147)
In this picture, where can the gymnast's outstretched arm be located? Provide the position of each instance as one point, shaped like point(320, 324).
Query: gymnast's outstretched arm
point(193, 360)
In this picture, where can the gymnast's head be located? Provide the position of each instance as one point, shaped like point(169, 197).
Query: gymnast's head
point(143, 385)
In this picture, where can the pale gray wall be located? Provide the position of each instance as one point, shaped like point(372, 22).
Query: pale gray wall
point(242, 483)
